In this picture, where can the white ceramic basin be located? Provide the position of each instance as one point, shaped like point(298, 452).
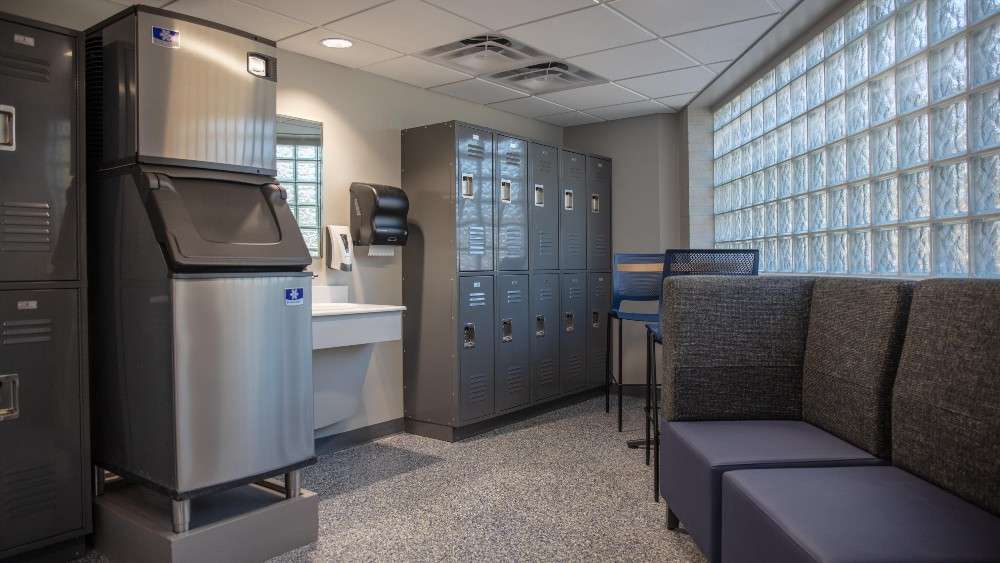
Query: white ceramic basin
point(330, 309)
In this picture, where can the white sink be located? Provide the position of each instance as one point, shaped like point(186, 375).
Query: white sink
point(331, 309)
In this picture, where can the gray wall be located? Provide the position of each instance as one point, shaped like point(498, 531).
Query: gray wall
point(362, 115)
point(650, 206)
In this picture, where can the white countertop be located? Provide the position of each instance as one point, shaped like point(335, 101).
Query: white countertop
point(334, 309)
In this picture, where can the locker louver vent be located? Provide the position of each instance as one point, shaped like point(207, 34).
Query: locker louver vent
point(19, 66)
point(546, 372)
point(27, 492)
point(601, 245)
point(478, 388)
point(26, 331)
point(574, 244)
point(513, 158)
point(25, 226)
point(512, 240)
point(477, 299)
point(517, 380)
point(477, 240)
point(94, 56)
point(541, 78)
point(575, 293)
point(477, 151)
point(514, 296)
point(546, 294)
point(483, 54)
point(546, 244)
point(574, 364)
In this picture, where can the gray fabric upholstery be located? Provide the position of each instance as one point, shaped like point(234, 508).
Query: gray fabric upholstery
point(695, 455)
point(946, 403)
point(850, 514)
point(733, 346)
point(856, 329)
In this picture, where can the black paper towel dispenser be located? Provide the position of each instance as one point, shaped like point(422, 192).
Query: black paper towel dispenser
point(378, 215)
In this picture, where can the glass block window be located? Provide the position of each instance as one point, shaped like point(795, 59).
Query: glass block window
point(299, 170)
point(874, 149)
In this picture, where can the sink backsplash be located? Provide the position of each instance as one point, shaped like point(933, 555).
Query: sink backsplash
point(330, 294)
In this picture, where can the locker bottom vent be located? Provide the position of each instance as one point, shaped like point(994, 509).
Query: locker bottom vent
point(28, 492)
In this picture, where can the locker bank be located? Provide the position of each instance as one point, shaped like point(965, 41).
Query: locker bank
point(674, 281)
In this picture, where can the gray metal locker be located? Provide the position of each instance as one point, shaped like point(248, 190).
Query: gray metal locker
point(573, 205)
point(573, 322)
point(474, 197)
point(512, 203)
point(543, 206)
point(599, 213)
point(41, 417)
point(475, 332)
point(545, 331)
point(38, 199)
point(513, 342)
point(599, 288)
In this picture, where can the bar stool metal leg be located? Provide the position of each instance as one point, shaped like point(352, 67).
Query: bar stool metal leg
point(649, 392)
point(621, 376)
point(181, 515)
point(656, 426)
point(607, 369)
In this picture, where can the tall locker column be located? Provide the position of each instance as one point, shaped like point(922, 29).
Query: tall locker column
point(599, 288)
point(546, 331)
point(510, 175)
point(598, 214)
point(513, 342)
point(544, 203)
point(474, 209)
point(573, 335)
point(572, 211)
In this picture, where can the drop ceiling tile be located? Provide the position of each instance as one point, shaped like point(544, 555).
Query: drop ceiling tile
point(570, 119)
point(241, 16)
point(316, 12)
point(361, 54)
point(593, 96)
point(669, 17)
point(584, 31)
point(623, 111)
point(408, 26)
point(417, 72)
point(669, 83)
point(74, 15)
point(154, 3)
point(677, 100)
point(725, 42)
point(479, 91)
point(720, 66)
point(498, 14)
point(529, 107)
point(633, 60)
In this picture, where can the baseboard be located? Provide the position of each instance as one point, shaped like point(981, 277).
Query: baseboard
point(358, 436)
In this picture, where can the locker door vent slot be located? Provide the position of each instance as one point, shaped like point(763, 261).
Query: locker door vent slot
point(28, 331)
point(595, 203)
point(469, 336)
point(477, 240)
point(540, 325)
point(568, 200)
point(9, 400)
point(595, 319)
point(467, 189)
point(28, 68)
point(539, 195)
point(507, 330)
point(505, 191)
point(28, 492)
point(570, 322)
point(7, 130)
point(546, 372)
point(25, 226)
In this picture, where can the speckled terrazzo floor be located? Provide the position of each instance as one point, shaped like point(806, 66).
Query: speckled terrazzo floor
point(558, 487)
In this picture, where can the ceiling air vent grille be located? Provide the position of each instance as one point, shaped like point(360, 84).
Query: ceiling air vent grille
point(483, 54)
point(546, 77)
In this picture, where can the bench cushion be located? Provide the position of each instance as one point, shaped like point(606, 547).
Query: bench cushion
point(850, 514)
point(694, 456)
point(856, 329)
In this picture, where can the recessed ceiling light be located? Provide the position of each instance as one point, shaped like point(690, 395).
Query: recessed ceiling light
point(337, 42)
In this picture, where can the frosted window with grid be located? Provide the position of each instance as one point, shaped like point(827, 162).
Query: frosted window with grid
point(874, 149)
point(299, 169)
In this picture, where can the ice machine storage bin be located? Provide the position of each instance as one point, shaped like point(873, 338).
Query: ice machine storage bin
point(378, 215)
point(213, 222)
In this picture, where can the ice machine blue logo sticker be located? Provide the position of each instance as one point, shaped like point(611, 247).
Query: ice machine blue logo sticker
point(294, 296)
point(164, 37)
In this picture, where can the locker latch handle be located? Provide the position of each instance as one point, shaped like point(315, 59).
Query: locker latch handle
point(595, 319)
point(570, 322)
point(507, 330)
point(505, 191)
point(8, 130)
point(540, 325)
point(9, 400)
point(467, 192)
point(469, 336)
point(539, 195)
point(595, 203)
point(568, 200)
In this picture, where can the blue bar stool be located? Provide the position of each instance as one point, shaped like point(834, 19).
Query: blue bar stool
point(691, 262)
point(635, 277)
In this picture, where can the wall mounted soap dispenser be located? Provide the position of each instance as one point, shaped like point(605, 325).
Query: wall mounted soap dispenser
point(341, 255)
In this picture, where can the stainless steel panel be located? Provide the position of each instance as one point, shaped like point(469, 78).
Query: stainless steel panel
point(574, 203)
point(198, 101)
point(512, 203)
point(474, 197)
point(513, 342)
point(598, 213)
point(599, 287)
point(573, 332)
point(545, 319)
point(242, 377)
point(543, 206)
point(475, 344)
